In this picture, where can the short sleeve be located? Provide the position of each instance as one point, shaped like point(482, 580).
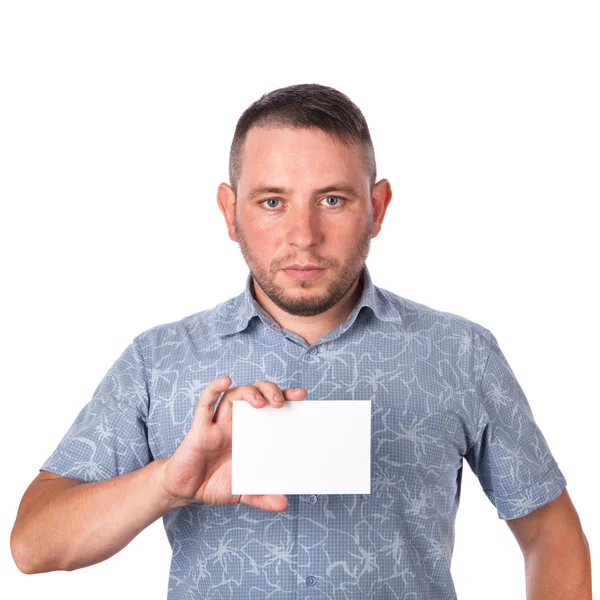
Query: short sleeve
point(510, 457)
point(109, 436)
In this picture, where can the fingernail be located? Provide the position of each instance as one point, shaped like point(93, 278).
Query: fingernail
point(278, 398)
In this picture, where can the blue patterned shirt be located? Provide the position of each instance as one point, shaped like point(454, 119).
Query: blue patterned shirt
point(441, 390)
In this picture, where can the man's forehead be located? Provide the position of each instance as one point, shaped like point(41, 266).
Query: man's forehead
point(276, 157)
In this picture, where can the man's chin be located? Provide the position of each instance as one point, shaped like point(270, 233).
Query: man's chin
point(302, 308)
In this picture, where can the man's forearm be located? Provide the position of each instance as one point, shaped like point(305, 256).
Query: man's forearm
point(87, 523)
point(559, 570)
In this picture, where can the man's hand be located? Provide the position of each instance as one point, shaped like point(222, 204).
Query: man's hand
point(200, 468)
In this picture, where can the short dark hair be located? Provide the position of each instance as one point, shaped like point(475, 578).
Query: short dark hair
point(304, 106)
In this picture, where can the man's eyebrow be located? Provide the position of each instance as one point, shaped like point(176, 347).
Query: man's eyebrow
point(336, 187)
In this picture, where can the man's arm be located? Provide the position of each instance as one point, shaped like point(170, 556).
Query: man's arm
point(556, 552)
point(66, 524)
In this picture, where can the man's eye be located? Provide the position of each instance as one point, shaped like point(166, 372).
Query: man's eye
point(336, 197)
point(270, 200)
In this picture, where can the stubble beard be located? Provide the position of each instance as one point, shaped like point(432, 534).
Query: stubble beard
point(337, 288)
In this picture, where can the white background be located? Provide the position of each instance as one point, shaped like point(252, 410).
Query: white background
point(115, 125)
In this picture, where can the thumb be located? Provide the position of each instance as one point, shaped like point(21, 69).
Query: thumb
point(270, 502)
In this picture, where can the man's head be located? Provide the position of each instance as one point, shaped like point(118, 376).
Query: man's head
point(302, 174)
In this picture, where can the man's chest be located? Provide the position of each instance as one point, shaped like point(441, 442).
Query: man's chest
point(418, 391)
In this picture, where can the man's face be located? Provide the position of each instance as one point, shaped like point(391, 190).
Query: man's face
point(300, 223)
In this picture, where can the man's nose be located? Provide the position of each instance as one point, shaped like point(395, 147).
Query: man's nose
point(304, 227)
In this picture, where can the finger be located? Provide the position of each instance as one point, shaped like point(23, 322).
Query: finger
point(271, 392)
point(295, 393)
point(249, 393)
point(206, 404)
point(274, 395)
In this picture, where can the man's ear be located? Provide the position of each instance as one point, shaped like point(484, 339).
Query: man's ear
point(381, 197)
point(226, 200)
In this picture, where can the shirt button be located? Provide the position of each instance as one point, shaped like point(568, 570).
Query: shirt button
point(311, 580)
point(312, 499)
point(313, 350)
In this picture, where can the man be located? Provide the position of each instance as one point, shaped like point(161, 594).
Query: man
point(303, 205)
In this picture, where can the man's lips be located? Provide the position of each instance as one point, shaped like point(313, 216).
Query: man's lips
point(304, 272)
point(307, 267)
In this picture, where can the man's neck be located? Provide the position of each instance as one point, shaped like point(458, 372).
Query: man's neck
point(311, 329)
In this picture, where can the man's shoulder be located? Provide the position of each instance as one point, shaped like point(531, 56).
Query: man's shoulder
point(417, 316)
point(200, 325)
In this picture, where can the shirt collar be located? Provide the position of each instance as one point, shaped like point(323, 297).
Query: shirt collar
point(244, 307)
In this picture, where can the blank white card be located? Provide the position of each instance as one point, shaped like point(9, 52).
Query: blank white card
point(305, 447)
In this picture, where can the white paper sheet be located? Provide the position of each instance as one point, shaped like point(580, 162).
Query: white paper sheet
point(305, 447)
